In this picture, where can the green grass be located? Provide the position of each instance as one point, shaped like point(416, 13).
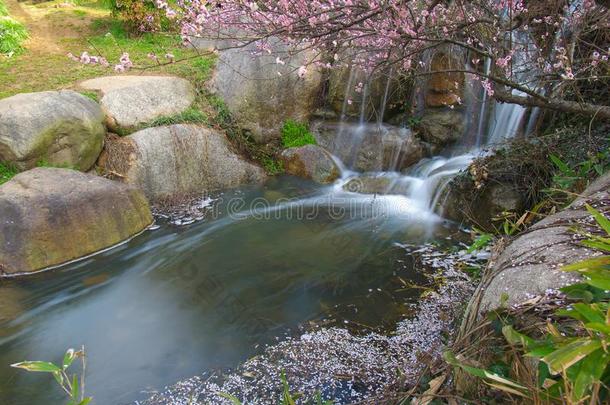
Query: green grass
point(91, 94)
point(7, 172)
point(295, 134)
point(44, 163)
point(271, 165)
point(190, 116)
point(12, 33)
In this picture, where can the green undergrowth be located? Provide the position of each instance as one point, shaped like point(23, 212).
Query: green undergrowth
point(264, 155)
point(12, 33)
point(91, 94)
point(567, 339)
point(295, 134)
point(96, 31)
point(7, 172)
point(190, 116)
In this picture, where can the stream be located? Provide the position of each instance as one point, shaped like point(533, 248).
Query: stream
point(175, 301)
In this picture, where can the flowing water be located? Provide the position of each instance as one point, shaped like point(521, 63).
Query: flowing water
point(176, 301)
point(179, 300)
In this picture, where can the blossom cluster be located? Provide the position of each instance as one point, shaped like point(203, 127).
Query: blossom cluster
point(374, 34)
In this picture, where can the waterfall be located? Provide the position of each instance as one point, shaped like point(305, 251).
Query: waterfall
point(384, 101)
point(506, 121)
point(483, 111)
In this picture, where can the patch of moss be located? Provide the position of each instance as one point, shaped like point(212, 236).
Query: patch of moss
point(295, 134)
point(7, 172)
point(190, 116)
point(91, 94)
point(44, 163)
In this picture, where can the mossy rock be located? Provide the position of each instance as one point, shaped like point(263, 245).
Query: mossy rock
point(50, 216)
point(61, 128)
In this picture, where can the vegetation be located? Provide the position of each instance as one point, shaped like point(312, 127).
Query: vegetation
point(571, 351)
point(90, 26)
point(296, 134)
point(7, 172)
point(139, 15)
point(189, 116)
point(12, 33)
point(72, 385)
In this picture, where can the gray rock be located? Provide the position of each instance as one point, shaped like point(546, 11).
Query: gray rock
point(463, 202)
point(129, 101)
point(176, 162)
point(376, 185)
point(442, 127)
point(53, 216)
point(369, 147)
point(58, 127)
point(310, 162)
point(261, 94)
point(531, 264)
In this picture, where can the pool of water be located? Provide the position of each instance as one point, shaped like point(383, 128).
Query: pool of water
point(176, 301)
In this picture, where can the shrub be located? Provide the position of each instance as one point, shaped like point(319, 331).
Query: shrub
point(139, 15)
point(296, 134)
point(12, 34)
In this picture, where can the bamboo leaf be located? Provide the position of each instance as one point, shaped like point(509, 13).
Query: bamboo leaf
point(592, 263)
point(515, 338)
point(591, 371)
point(564, 357)
point(591, 312)
point(598, 326)
point(600, 218)
point(37, 366)
point(68, 358)
point(506, 389)
point(478, 372)
point(230, 398)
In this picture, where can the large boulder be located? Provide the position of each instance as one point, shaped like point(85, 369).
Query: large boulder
point(464, 202)
point(57, 127)
point(442, 127)
point(130, 101)
point(531, 264)
point(310, 162)
point(52, 216)
point(370, 147)
point(173, 163)
point(261, 94)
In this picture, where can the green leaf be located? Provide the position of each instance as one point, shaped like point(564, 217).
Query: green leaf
point(597, 244)
point(591, 312)
point(562, 166)
point(59, 377)
point(37, 366)
point(570, 354)
point(230, 398)
point(515, 338)
point(68, 358)
point(480, 242)
point(593, 263)
point(85, 401)
point(591, 370)
point(481, 373)
point(75, 390)
point(600, 218)
point(599, 327)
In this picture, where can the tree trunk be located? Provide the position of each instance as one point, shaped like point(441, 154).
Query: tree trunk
point(593, 110)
